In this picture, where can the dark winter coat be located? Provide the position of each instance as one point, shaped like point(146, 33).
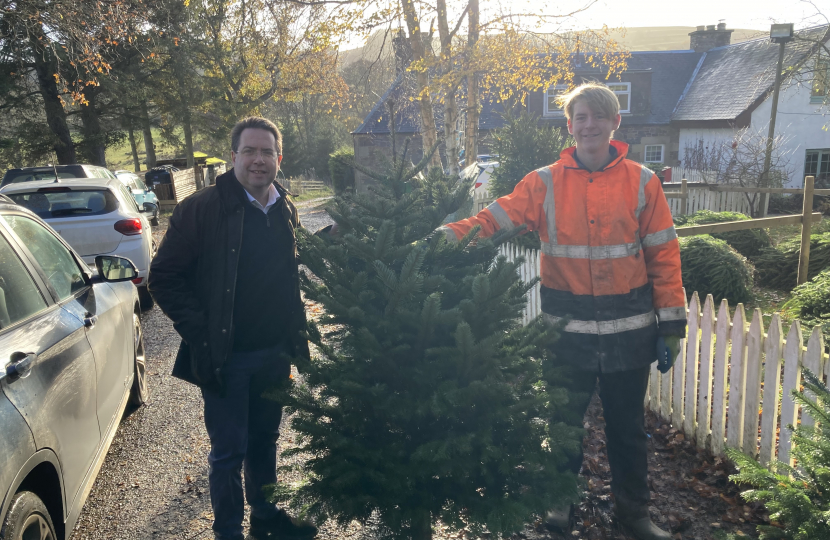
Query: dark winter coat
point(193, 278)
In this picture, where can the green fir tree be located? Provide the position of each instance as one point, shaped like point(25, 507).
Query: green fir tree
point(428, 400)
point(797, 498)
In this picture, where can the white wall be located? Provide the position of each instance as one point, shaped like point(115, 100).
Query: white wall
point(804, 125)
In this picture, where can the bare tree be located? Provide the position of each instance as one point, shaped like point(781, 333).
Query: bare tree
point(740, 162)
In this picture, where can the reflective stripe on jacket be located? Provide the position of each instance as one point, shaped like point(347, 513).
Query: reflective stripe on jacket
point(610, 257)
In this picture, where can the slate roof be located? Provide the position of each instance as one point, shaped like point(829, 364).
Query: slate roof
point(671, 71)
point(734, 78)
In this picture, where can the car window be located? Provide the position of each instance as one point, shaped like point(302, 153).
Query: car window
point(64, 202)
point(19, 296)
point(129, 200)
point(61, 270)
point(141, 185)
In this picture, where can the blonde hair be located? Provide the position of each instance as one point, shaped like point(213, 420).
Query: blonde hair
point(598, 97)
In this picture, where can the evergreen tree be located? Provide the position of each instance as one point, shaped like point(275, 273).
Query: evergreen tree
point(428, 400)
point(798, 498)
point(523, 145)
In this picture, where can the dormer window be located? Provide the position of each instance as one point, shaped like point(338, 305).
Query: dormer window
point(623, 91)
point(552, 108)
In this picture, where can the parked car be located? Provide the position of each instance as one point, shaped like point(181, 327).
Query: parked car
point(52, 172)
point(141, 193)
point(72, 361)
point(97, 216)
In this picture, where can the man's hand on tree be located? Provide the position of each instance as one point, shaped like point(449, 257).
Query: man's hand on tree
point(668, 347)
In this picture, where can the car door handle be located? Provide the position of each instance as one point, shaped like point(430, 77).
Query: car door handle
point(90, 320)
point(20, 365)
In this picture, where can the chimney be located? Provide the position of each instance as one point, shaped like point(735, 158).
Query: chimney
point(403, 52)
point(709, 37)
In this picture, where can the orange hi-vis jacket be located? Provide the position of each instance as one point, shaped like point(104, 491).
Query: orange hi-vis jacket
point(610, 257)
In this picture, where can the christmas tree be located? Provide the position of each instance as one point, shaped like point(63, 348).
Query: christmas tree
point(429, 400)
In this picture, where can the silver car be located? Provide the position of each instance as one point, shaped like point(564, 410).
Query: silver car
point(71, 360)
point(97, 216)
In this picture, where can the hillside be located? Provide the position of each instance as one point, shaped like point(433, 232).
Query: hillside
point(654, 38)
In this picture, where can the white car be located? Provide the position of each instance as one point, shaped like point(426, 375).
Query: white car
point(96, 216)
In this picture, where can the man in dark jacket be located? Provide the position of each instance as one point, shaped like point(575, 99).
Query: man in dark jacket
point(226, 275)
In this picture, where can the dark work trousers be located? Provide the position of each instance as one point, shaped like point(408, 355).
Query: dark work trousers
point(243, 428)
point(623, 395)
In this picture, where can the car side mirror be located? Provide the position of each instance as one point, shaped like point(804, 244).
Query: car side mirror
point(115, 269)
point(150, 208)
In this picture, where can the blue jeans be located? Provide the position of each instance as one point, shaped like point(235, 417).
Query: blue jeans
point(243, 428)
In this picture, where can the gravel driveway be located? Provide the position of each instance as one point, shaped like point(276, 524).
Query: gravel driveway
point(153, 483)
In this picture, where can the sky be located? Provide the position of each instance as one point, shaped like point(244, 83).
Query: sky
point(750, 14)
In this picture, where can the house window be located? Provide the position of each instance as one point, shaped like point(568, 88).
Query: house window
point(623, 91)
point(821, 80)
point(654, 153)
point(817, 164)
point(552, 108)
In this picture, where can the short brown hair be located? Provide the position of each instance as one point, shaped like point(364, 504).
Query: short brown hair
point(599, 98)
point(255, 122)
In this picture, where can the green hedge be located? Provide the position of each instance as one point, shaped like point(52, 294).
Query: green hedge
point(778, 267)
point(342, 169)
point(748, 243)
point(810, 301)
point(711, 266)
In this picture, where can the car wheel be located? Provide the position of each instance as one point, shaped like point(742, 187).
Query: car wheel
point(140, 391)
point(155, 221)
point(28, 518)
point(145, 301)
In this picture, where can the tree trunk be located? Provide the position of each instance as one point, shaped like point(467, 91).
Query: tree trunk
point(421, 526)
point(416, 42)
point(46, 69)
point(450, 106)
point(133, 148)
point(149, 147)
point(94, 149)
point(471, 128)
point(188, 135)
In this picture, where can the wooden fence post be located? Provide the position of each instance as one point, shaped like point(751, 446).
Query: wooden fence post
point(684, 197)
point(806, 216)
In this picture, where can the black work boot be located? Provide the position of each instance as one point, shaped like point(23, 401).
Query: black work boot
point(282, 527)
point(635, 519)
point(559, 519)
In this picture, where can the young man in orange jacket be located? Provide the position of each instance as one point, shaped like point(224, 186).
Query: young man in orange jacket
point(611, 270)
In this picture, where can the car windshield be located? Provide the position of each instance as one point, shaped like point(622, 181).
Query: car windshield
point(53, 204)
point(31, 176)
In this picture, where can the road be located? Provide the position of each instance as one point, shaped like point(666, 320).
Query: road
point(153, 483)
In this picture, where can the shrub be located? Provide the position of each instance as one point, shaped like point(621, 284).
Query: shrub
point(778, 267)
point(797, 498)
point(810, 301)
point(523, 145)
point(710, 266)
point(341, 167)
point(748, 243)
point(794, 204)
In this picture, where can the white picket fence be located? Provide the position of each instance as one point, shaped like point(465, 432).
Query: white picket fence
point(530, 269)
point(699, 198)
point(731, 385)
point(702, 198)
